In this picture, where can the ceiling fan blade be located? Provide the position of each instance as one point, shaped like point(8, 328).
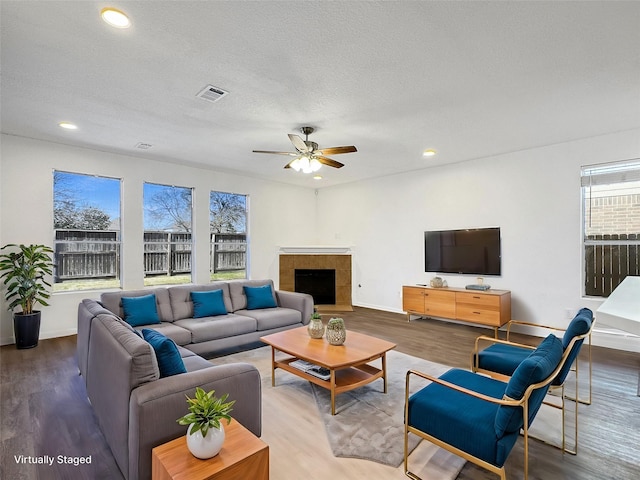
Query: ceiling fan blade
point(298, 143)
point(292, 154)
point(337, 150)
point(328, 161)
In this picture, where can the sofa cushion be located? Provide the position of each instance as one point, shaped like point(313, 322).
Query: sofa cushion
point(236, 291)
point(259, 297)
point(220, 326)
point(169, 359)
point(182, 304)
point(180, 335)
point(208, 304)
point(195, 362)
point(113, 301)
point(140, 311)
point(268, 318)
point(535, 368)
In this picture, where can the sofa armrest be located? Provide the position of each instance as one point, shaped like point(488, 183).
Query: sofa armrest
point(154, 408)
point(303, 302)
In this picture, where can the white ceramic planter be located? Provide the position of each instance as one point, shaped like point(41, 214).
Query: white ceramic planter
point(205, 447)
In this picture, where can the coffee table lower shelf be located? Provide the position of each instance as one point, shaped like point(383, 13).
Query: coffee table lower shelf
point(342, 380)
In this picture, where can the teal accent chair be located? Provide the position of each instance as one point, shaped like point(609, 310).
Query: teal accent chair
point(502, 357)
point(478, 417)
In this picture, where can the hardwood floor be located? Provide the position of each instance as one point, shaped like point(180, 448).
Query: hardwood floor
point(44, 409)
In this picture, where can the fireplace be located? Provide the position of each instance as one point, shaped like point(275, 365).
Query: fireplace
point(319, 260)
point(319, 283)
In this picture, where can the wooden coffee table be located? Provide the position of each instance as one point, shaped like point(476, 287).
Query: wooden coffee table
point(348, 364)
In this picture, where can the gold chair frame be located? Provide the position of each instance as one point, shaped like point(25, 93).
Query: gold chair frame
point(523, 402)
point(560, 388)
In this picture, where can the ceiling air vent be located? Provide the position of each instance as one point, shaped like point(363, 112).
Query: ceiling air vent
point(211, 93)
point(144, 146)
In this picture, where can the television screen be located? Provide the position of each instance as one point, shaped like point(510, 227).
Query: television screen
point(473, 251)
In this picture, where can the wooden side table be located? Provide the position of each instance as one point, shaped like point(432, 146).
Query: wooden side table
point(243, 456)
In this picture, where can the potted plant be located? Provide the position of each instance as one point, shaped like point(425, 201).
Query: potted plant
point(24, 269)
point(205, 433)
point(336, 331)
point(315, 327)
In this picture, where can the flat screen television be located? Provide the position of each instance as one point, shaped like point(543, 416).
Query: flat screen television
point(473, 251)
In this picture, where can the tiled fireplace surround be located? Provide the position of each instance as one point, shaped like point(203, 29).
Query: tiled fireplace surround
point(341, 263)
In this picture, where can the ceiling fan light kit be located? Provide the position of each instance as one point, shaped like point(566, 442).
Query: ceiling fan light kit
point(310, 158)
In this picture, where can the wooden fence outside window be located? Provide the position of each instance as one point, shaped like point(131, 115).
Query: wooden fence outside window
point(93, 254)
point(608, 260)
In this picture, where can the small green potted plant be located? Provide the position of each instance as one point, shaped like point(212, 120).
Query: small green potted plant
point(315, 327)
point(24, 269)
point(205, 434)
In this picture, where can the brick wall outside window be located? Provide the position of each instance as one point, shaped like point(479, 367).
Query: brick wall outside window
point(618, 214)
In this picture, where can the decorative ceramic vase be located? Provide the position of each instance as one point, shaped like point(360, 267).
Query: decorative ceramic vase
point(315, 328)
point(205, 447)
point(336, 332)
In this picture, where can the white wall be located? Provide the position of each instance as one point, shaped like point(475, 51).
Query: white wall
point(26, 207)
point(533, 196)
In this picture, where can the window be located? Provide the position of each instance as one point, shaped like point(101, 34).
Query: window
point(167, 234)
point(228, 222)
point(86, 213)
point(611, 225)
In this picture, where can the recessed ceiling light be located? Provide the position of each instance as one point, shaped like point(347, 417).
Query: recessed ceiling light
point(68, 125)
point(429, 153)
point(115, 18)
point(317, 177)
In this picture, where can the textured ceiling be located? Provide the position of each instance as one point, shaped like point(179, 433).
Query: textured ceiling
point(470, 79)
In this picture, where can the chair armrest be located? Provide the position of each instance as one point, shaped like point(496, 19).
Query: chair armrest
point(303, 302)
point(155, 407)
point(531, 324)
point(444, 383)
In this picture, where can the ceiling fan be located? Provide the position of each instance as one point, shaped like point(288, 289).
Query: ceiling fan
point(309, 158)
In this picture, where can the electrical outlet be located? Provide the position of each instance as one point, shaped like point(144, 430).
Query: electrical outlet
point(569, 313)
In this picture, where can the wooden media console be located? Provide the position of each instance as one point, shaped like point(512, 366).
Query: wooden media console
point(491, 308)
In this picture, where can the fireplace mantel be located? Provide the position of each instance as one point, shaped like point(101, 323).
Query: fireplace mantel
point(316, 250)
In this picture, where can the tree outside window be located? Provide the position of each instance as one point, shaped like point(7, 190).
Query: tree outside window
point(167, 234)
point(86, 216)
point(228, 226)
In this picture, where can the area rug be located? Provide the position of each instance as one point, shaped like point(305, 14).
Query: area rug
point(368, 423)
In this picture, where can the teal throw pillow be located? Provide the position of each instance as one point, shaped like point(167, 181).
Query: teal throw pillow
point(140, 311)
point(259, 297)
point(208, 304)
point(169, 359)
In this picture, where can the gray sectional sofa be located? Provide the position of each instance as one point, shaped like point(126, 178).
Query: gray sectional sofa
point(135, 406)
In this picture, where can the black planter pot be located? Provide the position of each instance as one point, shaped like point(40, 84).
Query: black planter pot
point(26, 329)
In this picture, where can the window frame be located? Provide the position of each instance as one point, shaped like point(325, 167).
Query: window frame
point(608, 258)
point(239, 246)
point(87, 246)
point(172, 252)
